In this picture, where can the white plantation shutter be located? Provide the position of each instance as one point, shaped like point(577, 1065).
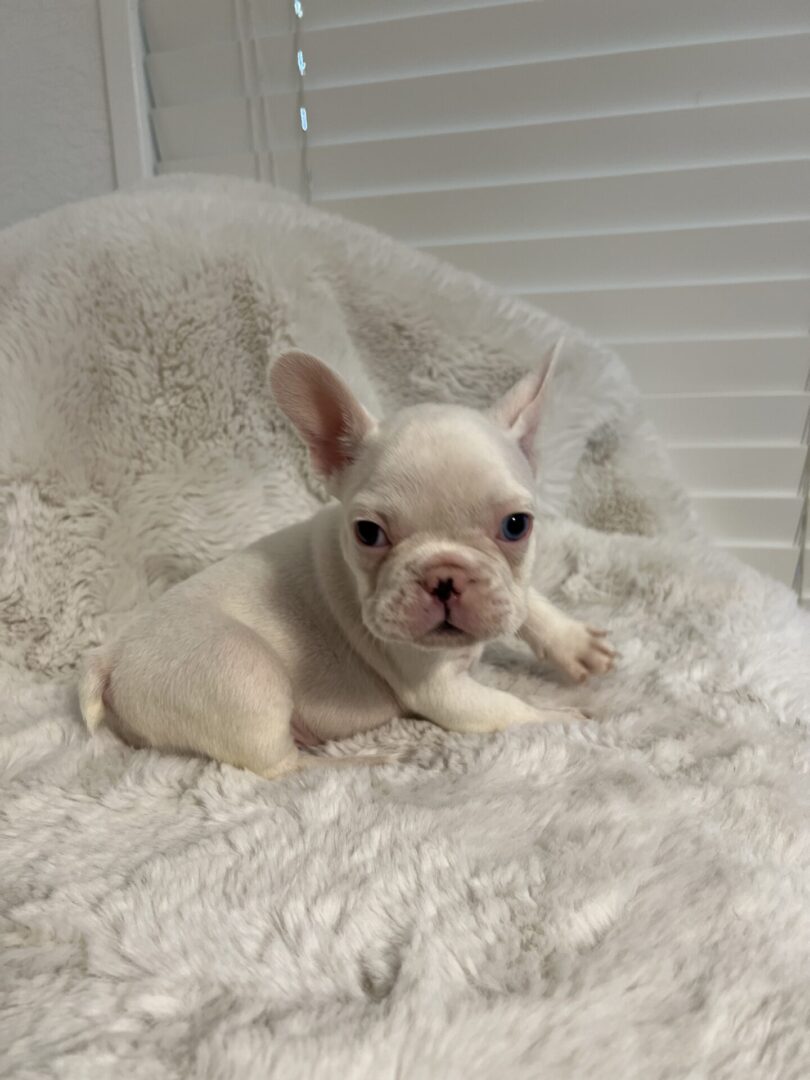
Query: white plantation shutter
point(638, 167)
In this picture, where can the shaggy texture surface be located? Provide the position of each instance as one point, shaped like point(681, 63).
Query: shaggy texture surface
point(624, 897)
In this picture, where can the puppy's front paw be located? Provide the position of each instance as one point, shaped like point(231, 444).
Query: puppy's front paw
point(582, 651)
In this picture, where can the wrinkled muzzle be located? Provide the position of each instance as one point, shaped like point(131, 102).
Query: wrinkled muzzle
point(442, 597)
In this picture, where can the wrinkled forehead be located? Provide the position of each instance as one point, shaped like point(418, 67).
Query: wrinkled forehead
point(440, 467)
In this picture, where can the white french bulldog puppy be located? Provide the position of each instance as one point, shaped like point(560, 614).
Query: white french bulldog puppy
point(377, 606)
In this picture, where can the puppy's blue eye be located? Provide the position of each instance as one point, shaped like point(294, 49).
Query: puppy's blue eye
point(370, 534)
point(516, 526)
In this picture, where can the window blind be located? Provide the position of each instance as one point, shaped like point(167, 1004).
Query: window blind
point(640, 168)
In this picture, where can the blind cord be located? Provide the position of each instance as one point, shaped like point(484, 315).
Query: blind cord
point(804, 491)
point(303, 114)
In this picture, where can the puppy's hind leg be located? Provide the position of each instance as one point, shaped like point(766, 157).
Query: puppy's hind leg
point(253, 710)
point(205, 684)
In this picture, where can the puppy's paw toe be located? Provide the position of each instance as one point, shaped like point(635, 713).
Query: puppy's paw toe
point(591, 654)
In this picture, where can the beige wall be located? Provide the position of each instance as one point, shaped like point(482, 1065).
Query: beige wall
point(54, 127)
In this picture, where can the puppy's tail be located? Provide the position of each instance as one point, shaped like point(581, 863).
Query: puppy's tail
point(92, 683)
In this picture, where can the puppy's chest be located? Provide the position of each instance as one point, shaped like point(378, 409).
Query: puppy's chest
point(336, 694)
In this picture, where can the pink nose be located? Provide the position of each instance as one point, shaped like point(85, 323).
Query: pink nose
point(446, 583)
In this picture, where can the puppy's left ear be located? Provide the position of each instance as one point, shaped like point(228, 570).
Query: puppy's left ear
point(520, 408)
point(326, 414)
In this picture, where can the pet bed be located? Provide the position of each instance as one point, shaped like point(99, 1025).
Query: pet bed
point(629, 896)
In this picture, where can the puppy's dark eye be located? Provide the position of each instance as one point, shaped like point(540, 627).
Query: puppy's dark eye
point(370, 534)
point(516, 526)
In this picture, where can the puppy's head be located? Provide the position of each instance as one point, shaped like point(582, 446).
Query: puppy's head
point(437, 503)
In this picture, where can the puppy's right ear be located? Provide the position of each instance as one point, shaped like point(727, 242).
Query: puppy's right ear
point(324, 411)
point(520, 408)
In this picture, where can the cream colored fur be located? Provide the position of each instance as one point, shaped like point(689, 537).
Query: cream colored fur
point(309, 628)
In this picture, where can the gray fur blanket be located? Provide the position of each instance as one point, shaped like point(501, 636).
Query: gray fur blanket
point(628, 896)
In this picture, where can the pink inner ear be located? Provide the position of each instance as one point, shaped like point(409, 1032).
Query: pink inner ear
point(332, 445)
point(520, 409)
point(517, 400)
point(329, 418)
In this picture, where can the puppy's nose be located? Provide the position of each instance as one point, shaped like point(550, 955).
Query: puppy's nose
point(445, 582)
point(444, 590)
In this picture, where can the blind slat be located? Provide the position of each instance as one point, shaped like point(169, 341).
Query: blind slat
point(697, 419)
point(732, 253)
point(438, 42)
point(746, 365)
point(181, 24)
point(776, 560)
point(327, 13)
point(775, 191)
point(228, 126)
point(214, 71)
point(244, 164)
point(685, 311)
point(733, 519)
point(634, 17)
point(740, 469)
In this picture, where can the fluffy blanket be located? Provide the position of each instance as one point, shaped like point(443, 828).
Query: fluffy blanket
point(622, 897)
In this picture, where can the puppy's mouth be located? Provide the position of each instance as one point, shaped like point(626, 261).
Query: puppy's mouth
point(446, 634)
